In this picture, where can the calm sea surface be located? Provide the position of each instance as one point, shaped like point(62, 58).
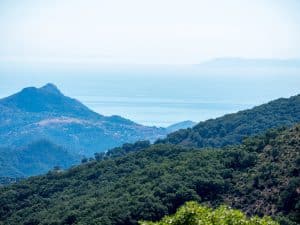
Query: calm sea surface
point(159, 111)
point(160, 97)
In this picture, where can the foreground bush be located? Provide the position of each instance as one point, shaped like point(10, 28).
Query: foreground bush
point(194, 214)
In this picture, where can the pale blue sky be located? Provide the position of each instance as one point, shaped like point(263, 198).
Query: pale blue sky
point(147, 32)
point(90, 49)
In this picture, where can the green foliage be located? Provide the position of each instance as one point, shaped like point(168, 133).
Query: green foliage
point(233, 128)
point(36, 158)
point(123, 150)
point(147, 184)
point(194, 214)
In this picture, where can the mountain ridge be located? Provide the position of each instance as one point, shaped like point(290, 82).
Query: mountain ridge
point(231, 128)
point(84, 135)
point(181, 125)
point(45, 113)
point(48, 98)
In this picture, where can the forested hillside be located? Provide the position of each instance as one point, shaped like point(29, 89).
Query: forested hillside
point(45, 113)
point(232, 128)
point(260, 177)
point(33, 159)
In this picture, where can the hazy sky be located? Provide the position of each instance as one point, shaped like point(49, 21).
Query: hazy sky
point(87, 48)
point(147, 32)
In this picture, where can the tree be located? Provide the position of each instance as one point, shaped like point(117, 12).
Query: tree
point(194, 214)
point(84, 160)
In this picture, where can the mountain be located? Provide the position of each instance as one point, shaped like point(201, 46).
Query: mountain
point(45, 113)
point(47, 99)
point(150, 183)
point(36, 158)
point(232, 128)
point(181, 125)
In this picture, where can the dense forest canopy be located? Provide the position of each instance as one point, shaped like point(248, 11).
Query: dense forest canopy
point(150, 182)
point(35, 158)
point(233, 128)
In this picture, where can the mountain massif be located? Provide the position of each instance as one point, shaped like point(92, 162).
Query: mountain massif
point(248, 160)
point(260, 176)
point(45, 113)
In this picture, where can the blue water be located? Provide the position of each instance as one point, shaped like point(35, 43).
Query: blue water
point(160, 96)
point(159, 111)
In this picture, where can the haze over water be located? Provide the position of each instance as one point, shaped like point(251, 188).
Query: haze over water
point(106, 54)
point(158, 95)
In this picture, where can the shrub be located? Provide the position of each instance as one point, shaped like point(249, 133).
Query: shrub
point(194, 214)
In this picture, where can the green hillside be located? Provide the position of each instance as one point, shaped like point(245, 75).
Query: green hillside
point(36, 158)
point(259, 177)
point(233, 128)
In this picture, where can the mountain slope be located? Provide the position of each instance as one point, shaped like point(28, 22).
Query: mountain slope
point(232, 128)
point(271, 186)
point(45, 113)
point(36, 158)
point(148, 184)
point(181, 125)
point(47, 99)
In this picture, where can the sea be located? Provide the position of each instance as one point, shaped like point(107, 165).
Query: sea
point(155, 96)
